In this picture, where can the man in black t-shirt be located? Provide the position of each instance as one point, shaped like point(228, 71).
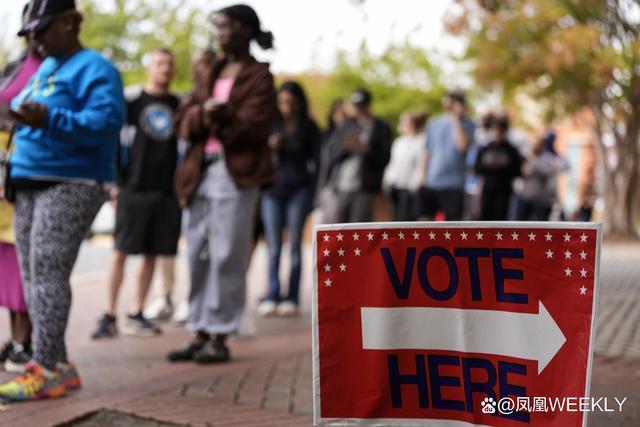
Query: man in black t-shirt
point(499, 163)
point(147, 212)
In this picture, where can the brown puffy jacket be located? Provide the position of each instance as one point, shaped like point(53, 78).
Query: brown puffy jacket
point(243, 130)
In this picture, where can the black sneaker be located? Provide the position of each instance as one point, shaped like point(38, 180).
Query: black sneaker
point(4, 351)
point(185, 353)
point(17, 359)
point(212, 352)
point(138, 326)
point(106, 328)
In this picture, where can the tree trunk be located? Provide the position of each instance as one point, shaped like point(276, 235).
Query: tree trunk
point(619, 211)
point(620, 184)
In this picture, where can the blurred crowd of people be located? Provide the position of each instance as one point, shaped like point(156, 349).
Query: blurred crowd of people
point(234, 158)
point(445, 167)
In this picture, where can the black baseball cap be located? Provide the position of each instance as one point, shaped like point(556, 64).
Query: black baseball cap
point(41, 12)
point(457, 95)
point(360, 97)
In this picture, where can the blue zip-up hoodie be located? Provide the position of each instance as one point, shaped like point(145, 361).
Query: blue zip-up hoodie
point(84, 96)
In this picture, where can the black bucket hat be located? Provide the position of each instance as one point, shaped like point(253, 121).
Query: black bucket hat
point(41, 12)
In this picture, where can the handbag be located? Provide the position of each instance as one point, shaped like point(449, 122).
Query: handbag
point(6, 183)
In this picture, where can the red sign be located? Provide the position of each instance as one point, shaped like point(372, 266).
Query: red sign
point(454, 324)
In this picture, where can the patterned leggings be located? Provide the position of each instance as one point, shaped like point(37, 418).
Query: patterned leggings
point(50, 225)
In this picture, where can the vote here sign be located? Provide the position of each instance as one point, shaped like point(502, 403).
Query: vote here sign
point(434, 324)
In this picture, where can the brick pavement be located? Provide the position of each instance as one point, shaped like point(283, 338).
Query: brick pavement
point(269, 381)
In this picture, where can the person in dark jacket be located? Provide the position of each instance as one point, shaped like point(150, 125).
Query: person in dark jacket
point(227, 119)
point(325, 197)
point(16, 352)
point(287, 203)
point(499, 163)
point(358, 157)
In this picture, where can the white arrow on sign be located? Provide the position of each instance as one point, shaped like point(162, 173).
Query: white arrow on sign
point(520, 335)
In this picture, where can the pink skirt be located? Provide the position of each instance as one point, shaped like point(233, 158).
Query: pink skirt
point(11, 294)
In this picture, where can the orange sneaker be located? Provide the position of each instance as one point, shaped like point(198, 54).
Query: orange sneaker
point(69, 376)
point(35, 383)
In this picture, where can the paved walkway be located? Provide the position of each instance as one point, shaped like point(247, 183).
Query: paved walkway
point(269, 381)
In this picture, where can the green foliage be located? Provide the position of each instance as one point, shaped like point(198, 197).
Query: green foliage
point(401, 78)
point(126, 30)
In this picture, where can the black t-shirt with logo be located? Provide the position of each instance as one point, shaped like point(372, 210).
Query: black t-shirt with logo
point(499, 163)
point(149, 147)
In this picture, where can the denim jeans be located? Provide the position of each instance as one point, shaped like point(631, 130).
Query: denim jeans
point(279, 213)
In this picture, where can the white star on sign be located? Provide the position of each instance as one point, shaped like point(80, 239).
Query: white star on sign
point(583, 290)
point(326, 252)
point(463, 235)
point(385, 236)
point(514, 235)
point(356, 236)
point(549, 254)
point(340, 252)
point(479, 235)
point(567, 254)
point(327, 283)
point(416, 235)
point(447, 235)
point(326, 237)
point(499, 236)
point(339, 236)
point(343, 267)
point(432, 235)
point(532, 237)
point(583, 255)
point(370, 236)
point(327, 268)
point(401, 235)
point(583, 238)
point(583, 273)
point(356, 251)
point(567, 272)
point(548, 236)
point(567, 237)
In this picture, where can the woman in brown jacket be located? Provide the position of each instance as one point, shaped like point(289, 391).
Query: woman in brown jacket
point(227, 118)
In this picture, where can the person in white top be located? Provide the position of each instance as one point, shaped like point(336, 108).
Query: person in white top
point(402, 176)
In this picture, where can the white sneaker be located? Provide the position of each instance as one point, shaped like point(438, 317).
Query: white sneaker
point(287, 309)
point(159, 309)
point(181, 315)
point(267, 308)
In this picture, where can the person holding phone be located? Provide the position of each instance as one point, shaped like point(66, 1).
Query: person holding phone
point(443, 161)
point(227, 120)
point(358, 157)
point(287, 203)
point(16, 352)
point(73, 109)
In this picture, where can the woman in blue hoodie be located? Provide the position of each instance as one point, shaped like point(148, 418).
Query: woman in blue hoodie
point(71, 112)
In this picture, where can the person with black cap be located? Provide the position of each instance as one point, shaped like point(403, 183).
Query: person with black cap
point(227, 119)
point(358, 157)
point(71, 113)
point(444, 160)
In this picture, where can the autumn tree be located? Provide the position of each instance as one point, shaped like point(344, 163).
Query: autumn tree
point(569, 55)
